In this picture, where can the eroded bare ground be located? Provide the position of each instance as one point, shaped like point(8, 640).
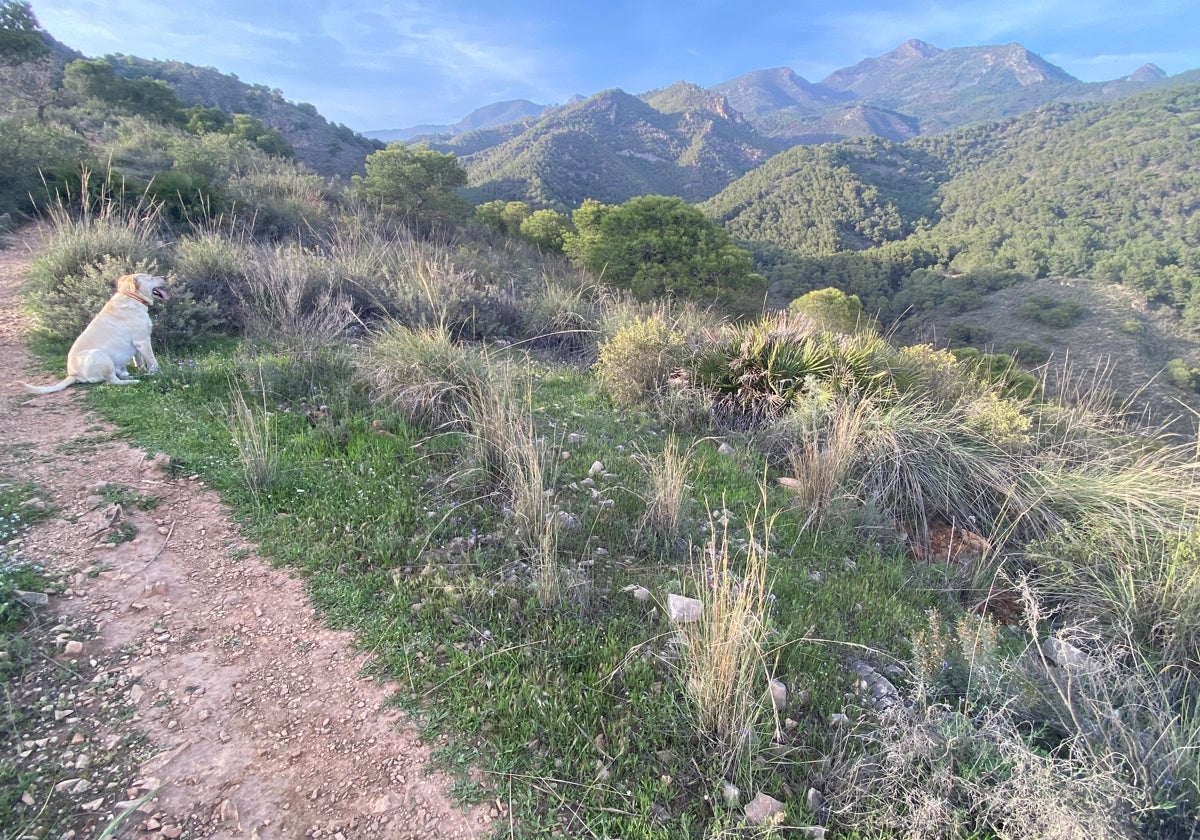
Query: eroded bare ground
point(257, 716)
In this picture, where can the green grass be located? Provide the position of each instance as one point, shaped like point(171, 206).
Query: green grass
point(116, 494)
point(573, 707)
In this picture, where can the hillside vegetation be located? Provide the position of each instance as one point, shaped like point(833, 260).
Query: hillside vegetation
point(1106, 191)
point(613, 147)
point(654, 572)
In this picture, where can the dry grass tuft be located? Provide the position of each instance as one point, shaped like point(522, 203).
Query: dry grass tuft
point(724, 663)
point(667, 497)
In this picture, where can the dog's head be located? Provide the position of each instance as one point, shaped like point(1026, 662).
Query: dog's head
point(144, 286)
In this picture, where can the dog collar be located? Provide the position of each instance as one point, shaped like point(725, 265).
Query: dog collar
point(138, 298)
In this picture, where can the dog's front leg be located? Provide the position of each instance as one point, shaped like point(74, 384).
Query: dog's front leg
point(145, 356)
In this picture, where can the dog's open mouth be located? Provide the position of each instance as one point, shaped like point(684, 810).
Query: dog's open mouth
point(161, 294)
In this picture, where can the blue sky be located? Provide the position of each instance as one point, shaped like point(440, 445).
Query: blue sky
point(376, 64)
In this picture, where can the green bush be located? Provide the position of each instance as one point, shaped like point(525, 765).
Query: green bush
point(635, 364)
point(212, 264)
point(1045, 310)
point(759, 370)
point(1001, 369)
point(1182, 375)
point(1131, 326)
point(1027, 353)
point(545, 229)
point(79, 261)
point(278, 201)
point(832, 308)
point(31, 158)
point(968, 335)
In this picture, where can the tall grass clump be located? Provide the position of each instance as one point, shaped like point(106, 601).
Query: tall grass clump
point(931, 771)
point(429, 282)
point(561, 316)
point(214, 264)
point(423, 374)
point(521, 467)
point(667, 494)
point(278, 201)
point(1133, 700)
point(291, 300)
point(253, 435)
point(724, 663)
point(823, 437)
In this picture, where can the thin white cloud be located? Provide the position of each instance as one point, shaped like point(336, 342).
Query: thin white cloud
point(463, 51)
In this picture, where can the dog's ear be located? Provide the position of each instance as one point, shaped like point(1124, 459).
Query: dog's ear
point(128, 283)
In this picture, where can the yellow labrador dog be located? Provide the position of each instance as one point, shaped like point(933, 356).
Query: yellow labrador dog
point(118, 335)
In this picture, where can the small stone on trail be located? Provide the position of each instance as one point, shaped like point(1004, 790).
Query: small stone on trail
point(32, 599)
point(73, 648)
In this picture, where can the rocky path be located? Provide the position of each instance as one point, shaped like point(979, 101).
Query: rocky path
point(255, 718)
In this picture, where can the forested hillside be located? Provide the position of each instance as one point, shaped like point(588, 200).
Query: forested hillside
point(614, 146)
point(329, 149)
point(1102, 190)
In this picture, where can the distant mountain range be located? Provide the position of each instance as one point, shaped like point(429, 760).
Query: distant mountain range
point(488, 116)
point(691, 141)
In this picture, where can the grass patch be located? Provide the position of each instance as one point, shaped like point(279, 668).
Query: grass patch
point(481, 547)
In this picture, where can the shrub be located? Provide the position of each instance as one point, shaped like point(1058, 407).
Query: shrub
point(760, 370)
point(431, 283)
point(1045, 310)
point(635, 364)
point(937, 772)
point(31, 156)
point(423, 374)
point(291, 300)
point(1027, 353)
point(560, 316)
point(545, 229)
point(279, 201)
point(213, 264)
point(967, 335)
point(657, 246)
point(832, 308)
point(87, 247)
point(1182, 375)
point(933, 375)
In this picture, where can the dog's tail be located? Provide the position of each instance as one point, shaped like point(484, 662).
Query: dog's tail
point(49, 389)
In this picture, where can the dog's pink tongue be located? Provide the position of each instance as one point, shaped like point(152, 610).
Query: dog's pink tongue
point(161, 293)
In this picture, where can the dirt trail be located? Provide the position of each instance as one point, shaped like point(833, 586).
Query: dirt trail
point(262, 724)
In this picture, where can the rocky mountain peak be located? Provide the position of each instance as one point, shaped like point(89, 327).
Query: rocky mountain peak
point(1147, 73)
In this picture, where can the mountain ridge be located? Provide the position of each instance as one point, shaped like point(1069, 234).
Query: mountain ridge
point(916, 89)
